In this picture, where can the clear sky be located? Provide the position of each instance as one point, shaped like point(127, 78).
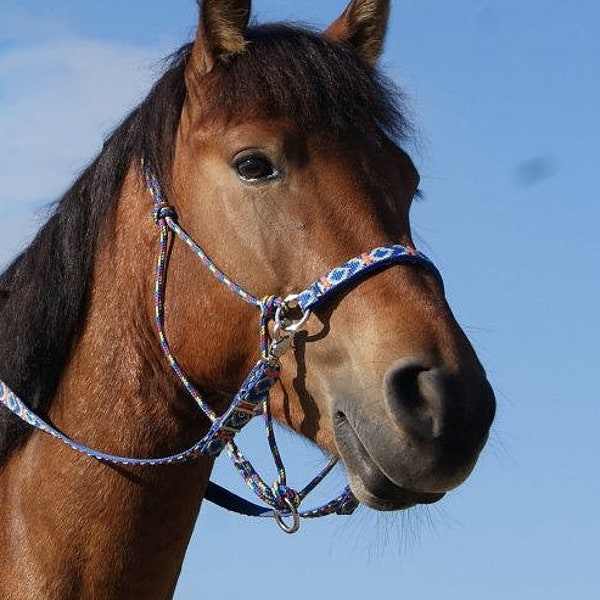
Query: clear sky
point(506, 97)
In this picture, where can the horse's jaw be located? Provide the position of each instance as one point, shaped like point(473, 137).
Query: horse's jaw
point(371, 486)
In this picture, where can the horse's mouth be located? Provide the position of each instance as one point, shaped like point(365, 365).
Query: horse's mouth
point(369, 483)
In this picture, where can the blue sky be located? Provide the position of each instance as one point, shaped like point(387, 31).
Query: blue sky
point(505, 95)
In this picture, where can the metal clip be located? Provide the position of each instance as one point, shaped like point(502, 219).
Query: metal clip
point(285, 329)
point(279, 347)
point(284, 324)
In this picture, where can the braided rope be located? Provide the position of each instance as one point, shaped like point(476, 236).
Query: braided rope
point(163, 214)
point(169, 219)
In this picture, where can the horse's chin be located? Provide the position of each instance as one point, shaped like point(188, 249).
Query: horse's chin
point(379, 493)
point(371, 486)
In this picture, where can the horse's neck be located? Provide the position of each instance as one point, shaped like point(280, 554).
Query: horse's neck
point(76, 528)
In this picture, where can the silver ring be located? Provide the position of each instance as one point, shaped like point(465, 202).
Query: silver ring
point(283, 325)
point(283, 525)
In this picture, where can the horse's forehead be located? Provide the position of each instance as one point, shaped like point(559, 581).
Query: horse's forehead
point(320, 92)
point(279, 136)
point(257, 126)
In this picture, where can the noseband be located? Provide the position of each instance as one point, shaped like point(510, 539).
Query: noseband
point(252, 398)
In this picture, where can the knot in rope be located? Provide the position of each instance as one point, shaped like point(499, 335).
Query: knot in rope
point(162, 211)
point(269, 305)
point(286, 498)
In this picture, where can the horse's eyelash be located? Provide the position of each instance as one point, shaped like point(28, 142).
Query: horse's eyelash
point(419, 194)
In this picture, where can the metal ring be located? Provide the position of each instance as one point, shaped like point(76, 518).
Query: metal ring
point(291, 298)
point(291, 327)
point(298, 325)
point(279, 518)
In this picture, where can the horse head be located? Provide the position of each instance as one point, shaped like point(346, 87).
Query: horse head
point(289, 161)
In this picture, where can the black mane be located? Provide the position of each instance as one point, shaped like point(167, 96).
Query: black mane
point(44, 292)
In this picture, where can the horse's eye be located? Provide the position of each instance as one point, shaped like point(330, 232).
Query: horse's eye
point(255, 168)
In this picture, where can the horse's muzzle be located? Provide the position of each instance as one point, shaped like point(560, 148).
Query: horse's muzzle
point(421, 441)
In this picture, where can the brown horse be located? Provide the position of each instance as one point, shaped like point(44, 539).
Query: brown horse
point(279, 149)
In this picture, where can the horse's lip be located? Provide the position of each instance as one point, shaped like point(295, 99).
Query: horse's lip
point(369, 483)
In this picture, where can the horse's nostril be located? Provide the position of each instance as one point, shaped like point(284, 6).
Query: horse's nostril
point(414, 395)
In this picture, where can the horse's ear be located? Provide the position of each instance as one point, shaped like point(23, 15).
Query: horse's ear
point(220, 33)
point(362, 26)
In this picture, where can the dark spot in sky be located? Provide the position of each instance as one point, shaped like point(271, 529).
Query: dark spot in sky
point(535, 170)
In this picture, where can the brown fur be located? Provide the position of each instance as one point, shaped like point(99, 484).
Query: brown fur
point(81, 530)
point(339, 194)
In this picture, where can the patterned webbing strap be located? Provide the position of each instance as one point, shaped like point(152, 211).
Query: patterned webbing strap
point(358, 268)
point(248, 402)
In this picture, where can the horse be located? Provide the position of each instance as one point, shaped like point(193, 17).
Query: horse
point(273, 153)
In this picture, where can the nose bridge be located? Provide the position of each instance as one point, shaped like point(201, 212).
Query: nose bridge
point(395, 313)
point(402, 312)
point(386, 305)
